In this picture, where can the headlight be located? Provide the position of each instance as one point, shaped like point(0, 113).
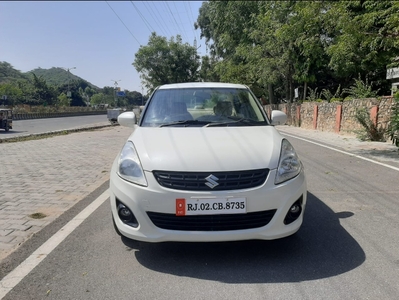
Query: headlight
point(289, 164)
point(129, 166)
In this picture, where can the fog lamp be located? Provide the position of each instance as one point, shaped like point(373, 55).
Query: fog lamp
point(294, 212)
point(124, 213)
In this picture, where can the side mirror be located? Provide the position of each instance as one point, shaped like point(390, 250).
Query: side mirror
point(127, 119)
point(278, 117)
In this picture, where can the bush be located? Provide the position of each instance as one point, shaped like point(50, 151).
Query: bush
point(393, 128)
point(370, 131)
point(329, 96)
point(313, 95)
point(361, 90)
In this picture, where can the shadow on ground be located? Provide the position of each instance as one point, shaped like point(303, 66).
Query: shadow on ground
point(379, 154)
point(4, 133)
point(322, 248)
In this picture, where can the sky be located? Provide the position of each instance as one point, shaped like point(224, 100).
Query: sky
point(96, 40)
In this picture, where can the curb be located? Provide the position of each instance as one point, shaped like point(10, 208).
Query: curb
point(52, 133)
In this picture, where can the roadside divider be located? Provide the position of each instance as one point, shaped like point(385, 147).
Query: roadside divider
point(25, 116)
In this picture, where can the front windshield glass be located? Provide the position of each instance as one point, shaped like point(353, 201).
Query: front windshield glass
point(202, 107)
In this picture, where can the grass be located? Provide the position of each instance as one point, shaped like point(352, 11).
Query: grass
point(38, 215)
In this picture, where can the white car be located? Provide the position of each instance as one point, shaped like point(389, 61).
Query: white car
point(205, 163)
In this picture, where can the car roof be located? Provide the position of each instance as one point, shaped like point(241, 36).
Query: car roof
point(187, 85)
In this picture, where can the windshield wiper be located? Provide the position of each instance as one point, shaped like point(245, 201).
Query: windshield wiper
point(185, 122)
point(244, 121)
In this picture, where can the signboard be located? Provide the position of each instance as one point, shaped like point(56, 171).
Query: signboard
point(121, 94)
point(392, 73)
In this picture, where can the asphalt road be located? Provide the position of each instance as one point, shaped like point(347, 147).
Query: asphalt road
point(346, 249)
point(35, 126)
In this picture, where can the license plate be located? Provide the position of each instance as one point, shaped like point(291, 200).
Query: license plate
point(201, 206)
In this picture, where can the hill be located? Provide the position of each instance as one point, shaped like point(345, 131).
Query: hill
point(58, 76)
point(53, 76)
point(8, 73)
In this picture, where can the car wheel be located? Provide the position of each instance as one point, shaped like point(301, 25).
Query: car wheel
point(7, 127)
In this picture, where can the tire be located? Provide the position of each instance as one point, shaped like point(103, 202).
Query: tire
point(7, 128)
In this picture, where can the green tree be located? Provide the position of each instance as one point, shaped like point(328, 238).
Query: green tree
point(13, 92)
point(42, 93)
point(364, 39)
point(102, 98)
point(393, 128)
point(162, 61)
point(276, 46)
point(97, 99)
point(63, 100)
point(134, 98)
point(8, 73)
point(207, 71)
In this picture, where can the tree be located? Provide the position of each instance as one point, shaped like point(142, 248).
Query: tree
point(102, 98)
point(42, 93)
point(162, 62)
point(208, 69)
point(134, 98)
point(13, 92)
point(276, 46)
point(63, 100)
point(97, 99)
point(364, 40)
point(8, 73)
point(243, 35)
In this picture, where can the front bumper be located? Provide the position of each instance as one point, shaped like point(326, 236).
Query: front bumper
point(155, 198)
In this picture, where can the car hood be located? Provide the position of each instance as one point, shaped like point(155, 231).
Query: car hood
point(199, 149)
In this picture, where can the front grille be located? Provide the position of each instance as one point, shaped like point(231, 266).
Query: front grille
point(212, 222)
point(196, 181)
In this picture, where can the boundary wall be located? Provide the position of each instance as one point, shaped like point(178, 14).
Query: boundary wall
point(335, 116)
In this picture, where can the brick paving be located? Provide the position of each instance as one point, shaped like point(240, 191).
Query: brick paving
point(49, 176)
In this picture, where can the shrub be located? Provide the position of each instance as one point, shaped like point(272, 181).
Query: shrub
point(313, 95)
point(361, 89)
point(370, 131)
point(336, 100)
point(393, 128)
point(329, 96)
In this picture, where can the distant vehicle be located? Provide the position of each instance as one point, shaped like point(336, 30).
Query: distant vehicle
point(113, 114)
point(5, 119)
point(206, 164)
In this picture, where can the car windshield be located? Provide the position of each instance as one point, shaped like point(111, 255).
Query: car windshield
point(190, 107)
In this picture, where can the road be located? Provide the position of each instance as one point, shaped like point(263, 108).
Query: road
point(35, 126)
point(347, 247)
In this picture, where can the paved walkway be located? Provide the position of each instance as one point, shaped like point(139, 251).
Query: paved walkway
point(48, 176)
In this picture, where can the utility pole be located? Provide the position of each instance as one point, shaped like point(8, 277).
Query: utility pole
point(116, 86)
point(196, 48)
point(69, 79)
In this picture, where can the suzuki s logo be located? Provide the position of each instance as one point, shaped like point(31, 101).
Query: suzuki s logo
point(212, 181)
